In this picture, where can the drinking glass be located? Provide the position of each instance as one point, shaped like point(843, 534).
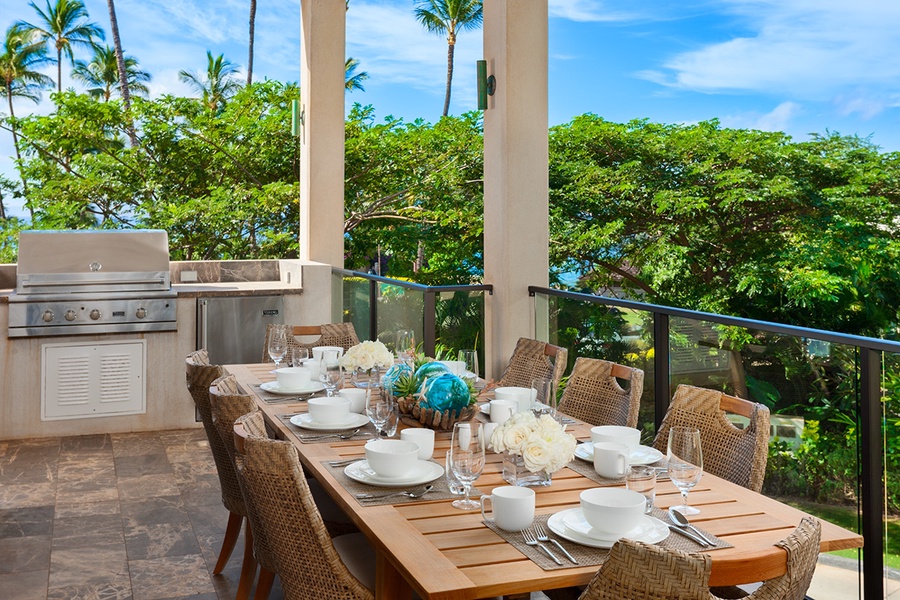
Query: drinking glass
point(330, 372)
point(467, 460)
point(470, 358)
point(406, 346)
point(642, 479)
point(544, 403)
point(298, 356)
point(685, 459)
point(379, 409)
point(278, 344)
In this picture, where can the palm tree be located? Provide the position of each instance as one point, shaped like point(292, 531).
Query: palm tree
point(252, 29)
point(64, 25)
point(22, 53)
point(352, 79)
point(450, 17)
point(218, 85)
point(103, 73)
point(122, 69)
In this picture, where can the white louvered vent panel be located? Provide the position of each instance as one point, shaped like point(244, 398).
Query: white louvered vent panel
point(93, 379)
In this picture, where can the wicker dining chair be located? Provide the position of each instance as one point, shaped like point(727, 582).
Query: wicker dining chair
point(200, 375)
point(330, 334)
point(594, 395)
point(638, 571)
point(532, 359)
point(738, 455)
point(310, 563)
point(228, 405)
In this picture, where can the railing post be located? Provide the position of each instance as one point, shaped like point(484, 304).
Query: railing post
point(373, 310)
point(871, 444)
point(660, 366)
point(429, 324)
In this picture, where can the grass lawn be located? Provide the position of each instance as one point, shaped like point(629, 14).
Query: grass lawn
point(846, 517)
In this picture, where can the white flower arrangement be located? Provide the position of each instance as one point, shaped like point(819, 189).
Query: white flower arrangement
point(367, 355)
point(542, 442)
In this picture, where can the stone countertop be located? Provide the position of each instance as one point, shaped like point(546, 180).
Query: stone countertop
point(197, 290)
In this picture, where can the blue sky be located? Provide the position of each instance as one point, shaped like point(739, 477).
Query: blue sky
point(799, 66)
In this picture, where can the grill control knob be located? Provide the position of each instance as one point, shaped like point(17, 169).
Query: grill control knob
point(70, 315)
point(47, 316)
point(140, 313)
point(95, 315)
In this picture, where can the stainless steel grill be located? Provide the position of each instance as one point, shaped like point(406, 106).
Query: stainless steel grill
point(88, 282)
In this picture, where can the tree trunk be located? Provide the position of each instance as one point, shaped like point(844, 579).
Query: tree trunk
point(123, 75)
point(59, 70)
point(250, 45)
point(450, 47)
point(12, 127)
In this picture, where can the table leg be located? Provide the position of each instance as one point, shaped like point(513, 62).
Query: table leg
point(389, 583)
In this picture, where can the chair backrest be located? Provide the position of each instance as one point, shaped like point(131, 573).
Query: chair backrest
point(330, 334)
point(802, 548)
point(594, 395)
point(635, 570)
point(738, 455)
point(200, 375)
point(308, 564)
point(532, 359)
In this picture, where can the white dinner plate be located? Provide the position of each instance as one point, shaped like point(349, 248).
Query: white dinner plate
point(570, 525)
point(642, 455)
point(423, 472)
point(354, 420)
point(273, 388)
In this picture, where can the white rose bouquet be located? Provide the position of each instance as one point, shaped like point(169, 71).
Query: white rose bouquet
point(367, 355)
point(542, 442)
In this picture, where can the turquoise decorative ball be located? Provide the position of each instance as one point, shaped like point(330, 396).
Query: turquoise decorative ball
point(446, 392)
point(432, 369)
point(394, 374)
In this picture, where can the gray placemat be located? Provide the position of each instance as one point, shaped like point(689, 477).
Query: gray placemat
point(588, 556)
point(441, 490)
point(309, 436)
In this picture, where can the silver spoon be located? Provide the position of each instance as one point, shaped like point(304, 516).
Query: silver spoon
point(682, 521)
point(408, 493)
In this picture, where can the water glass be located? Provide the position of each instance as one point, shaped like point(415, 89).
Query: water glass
point(467, 459)
point(685, 458)
point(543, 402)
point(380, 410)
point(453, 483)
point(330, 373)
point(278, 344)
point(643, 480)
point(406, 346)
point(298, 356)
point(470, 358)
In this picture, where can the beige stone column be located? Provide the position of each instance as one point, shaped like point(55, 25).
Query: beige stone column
point(515, 170)
point(323, 24)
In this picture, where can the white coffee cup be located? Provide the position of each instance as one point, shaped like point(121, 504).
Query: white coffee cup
point(423, 437)
point(328, 411)
point(488, 429)
point(522, 396)
point(629, 436)
point(293, 378)
point(501, 410)
point(611, 459)
point(612, 511)
point(320, 351)
point(357, 398)
point(512, 507)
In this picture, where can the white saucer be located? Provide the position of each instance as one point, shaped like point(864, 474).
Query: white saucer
point(570, 525)
point(304, 421)
point(423, 472)
point(642, 455)
point(273, 388)
point(486, 408)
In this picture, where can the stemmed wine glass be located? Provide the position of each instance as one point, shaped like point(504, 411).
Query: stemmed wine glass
point(406, 346)
point(685, 459)
point(379, 408)
point(329, 372)
point(467, 459)
point(278, 344)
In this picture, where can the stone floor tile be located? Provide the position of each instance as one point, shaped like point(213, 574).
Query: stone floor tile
point(193, 452)
point(28, 585)
point(25, 522)
point(176, 436)
point(157, 540)
point(81, 467)
point(24, 554)
point(133, 444)
point(88, 530)
point(99, 487)
point(27, 495)
point(81, 509)
point(169, 577)
point(86, 444)
point(108, 566)
point(161, 509)
point(115, 589)
point(148, 486)
point(190, 471)
point(204, 489)
point(19, 471)
point(31, 450)
point(142, 464)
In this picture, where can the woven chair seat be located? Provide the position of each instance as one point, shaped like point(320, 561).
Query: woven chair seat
point(593, 393)
point(533, 359)
point(738, 455)
point(330, 334)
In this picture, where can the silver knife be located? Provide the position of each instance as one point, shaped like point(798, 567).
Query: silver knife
point(690, 535)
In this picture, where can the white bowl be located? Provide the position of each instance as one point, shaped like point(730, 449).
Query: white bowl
point(612, 511)
point(392, 458)
point(293, 378)
point(357, 398)
point(617, 434)
point(329, 411)
point(523, 396)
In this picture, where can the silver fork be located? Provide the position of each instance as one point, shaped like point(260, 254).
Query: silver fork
point(543, 537)
point(532, 541)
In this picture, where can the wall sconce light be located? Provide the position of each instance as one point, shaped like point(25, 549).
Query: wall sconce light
point(486, 85)
point(297, 117)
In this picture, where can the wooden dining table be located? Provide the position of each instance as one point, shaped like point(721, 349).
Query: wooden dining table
point(445, 553)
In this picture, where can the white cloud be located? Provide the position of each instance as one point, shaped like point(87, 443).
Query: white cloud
point(585, 11)
point(779, 118)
